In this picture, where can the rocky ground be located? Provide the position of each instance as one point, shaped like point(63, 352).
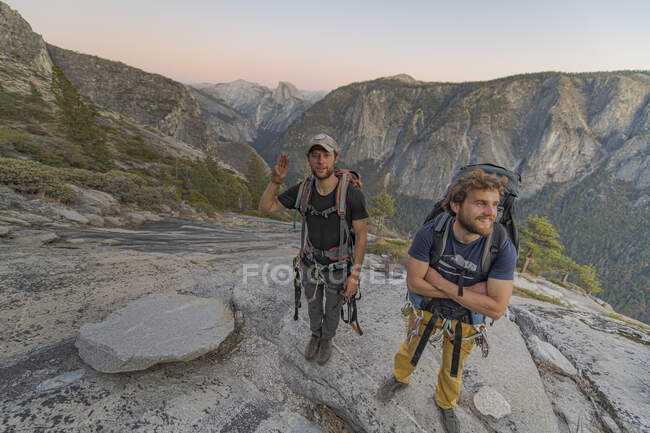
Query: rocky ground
point(588, 371)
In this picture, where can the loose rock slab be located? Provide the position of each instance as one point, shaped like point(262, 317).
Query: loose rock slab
point(551, 357)
point(154, 329)
point(488, 401)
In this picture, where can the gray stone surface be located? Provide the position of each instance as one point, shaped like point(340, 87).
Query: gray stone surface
point(4, 231)
point(551, 357)
point(72, 215)
point(349, 382)
point(95, 220)
point(12, 220)
point(136, 219)
point(253, 381)
point(29, 217)
point(489, 402)
point(154, 329)
point(61, 380)
point(613, 356)
point(113, 221)
point(510, 370)
point(33, 237)
point(93, 198)
point(573, 408)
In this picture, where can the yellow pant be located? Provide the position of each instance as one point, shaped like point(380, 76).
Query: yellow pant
point(448, 388)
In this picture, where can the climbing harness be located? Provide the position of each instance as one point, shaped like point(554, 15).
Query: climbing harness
point(341, 256)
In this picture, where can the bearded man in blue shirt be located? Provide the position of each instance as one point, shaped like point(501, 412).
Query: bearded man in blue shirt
point(436, 282)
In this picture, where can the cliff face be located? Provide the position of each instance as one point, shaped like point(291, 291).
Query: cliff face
point(581, 142)
point(225, 122)
point(150, 99)
point(551, 127)
point(19, 43)
point(269, 112)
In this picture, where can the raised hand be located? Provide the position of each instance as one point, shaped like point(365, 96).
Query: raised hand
point(280, 171)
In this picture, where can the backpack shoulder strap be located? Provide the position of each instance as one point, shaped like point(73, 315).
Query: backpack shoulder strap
point(441, 227)
point(304, 194)
point(302, 199)
point(494, 244)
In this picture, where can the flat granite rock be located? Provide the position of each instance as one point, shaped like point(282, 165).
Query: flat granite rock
point(154, 329)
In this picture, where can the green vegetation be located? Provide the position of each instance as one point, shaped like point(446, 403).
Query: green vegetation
point(525, 293)
point(539, 245)
point(599, 225)
point(629, 322)
point(382, 206)
point(541, 252)
point(77, 120)
point(393, 248)
point(257, 179)
point(24, 108)
point(35, 178)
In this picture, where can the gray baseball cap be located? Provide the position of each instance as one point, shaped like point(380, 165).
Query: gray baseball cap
point(325, 141)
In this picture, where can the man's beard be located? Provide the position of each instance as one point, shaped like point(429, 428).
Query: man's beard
point(472, 226)
point(328, 173)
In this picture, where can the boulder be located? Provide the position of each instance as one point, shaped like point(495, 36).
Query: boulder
point(136, 219)
point(154, 329)
point(72, 215)
point(150, 216)
point(551, 357)
point(95, 220)
point(33, 237)
point(113, 221)
point(489, 402)
point(90, 198)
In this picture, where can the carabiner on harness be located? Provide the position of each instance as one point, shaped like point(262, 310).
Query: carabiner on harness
point(352, 319)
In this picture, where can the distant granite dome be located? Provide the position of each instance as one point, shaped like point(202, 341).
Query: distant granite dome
point(259, 113)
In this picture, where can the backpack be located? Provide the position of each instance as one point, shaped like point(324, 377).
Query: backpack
point(505, 224)
point(343, 255)
point(345, 250)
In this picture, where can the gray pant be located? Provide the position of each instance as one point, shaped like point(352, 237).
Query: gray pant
point(323, 324)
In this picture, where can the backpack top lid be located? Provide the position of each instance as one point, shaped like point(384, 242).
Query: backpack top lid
point(512, 187)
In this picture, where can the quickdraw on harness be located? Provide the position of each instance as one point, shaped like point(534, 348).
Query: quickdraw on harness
point(341, 256)
point(296, 286)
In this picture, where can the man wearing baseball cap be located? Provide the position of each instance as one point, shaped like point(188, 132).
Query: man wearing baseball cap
point(324, 275)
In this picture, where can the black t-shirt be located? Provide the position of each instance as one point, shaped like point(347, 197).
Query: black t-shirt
point(324, 232)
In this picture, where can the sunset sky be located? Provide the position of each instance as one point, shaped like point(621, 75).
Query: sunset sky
point(323, 45)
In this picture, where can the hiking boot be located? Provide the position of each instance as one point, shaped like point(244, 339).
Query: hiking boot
point(449, 420)
point(312, 348)
point(388, 389)
point(324, 351)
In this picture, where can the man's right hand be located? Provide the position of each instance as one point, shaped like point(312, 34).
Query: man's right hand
point(280, 171)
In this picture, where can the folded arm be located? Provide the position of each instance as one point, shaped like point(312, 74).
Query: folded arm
point(415, 273)
point(493, 304)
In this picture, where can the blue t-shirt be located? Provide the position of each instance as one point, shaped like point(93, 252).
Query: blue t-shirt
point(503, 267)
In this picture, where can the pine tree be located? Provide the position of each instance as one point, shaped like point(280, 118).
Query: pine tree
point(588, 279)
point(539, 244)
point(382, 207)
